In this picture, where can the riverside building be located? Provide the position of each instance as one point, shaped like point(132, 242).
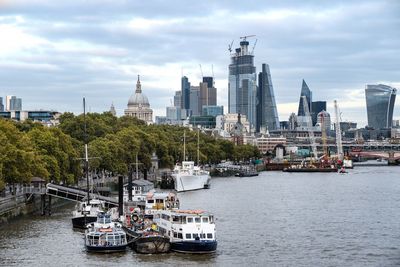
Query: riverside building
point(380, 100)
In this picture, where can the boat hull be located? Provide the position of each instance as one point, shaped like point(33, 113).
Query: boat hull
point(106, 249)
point(201, 246)
point(191, 182)
point(82, 221)
point(151, 245)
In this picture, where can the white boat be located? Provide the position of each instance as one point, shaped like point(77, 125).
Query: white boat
point(86, 212)
point(190, 177)
point(105, 236)
point(189, 231)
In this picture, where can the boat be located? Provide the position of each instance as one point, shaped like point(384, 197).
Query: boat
point(247, 171)
point(86, 212)
point(189, 177)
point(105, 236)
point(189, 231)
point(143, 235)
point(299, 168)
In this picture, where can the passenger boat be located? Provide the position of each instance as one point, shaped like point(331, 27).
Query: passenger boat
point(189, 231)
point(86, 212)
point(247, 171)
point(105, 236)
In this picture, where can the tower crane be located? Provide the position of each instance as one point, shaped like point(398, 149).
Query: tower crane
point(244, 38)
point(254, 46)
point(309, 127)
point(230, 47)
point(201, 70)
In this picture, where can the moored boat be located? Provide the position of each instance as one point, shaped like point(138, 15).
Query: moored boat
point(105, 236)
point(189, 177)
point(189, 231)
point(86, 212)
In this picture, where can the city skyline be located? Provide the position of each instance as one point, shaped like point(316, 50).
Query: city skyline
point(52, 55)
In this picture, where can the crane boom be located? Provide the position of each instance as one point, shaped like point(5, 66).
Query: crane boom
point(338, 132)
point(309, 127)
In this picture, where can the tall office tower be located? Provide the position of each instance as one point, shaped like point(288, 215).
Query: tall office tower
point(1, 105)
point(380, 103)
point(211, 92)
point(267, 114)
point(242, 87)
point(195, 106)
point(185, 91)
point(305, 91)
point(178, 99)
point(317, 107)
point(13, 103)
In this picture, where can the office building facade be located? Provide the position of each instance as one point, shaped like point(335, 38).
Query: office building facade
point(13, 103)
point(380, 100)
point(195, 108)
point(185, 92)
point(242, 88)
point(1, 105)
point(317, 107)
point(212, 110)
point(305, 91)
point(267, 114)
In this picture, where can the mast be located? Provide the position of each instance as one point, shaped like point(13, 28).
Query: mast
point(184, 145)
point(86, 152)
point(198, 150)
point(338, 133)
point(309, 126)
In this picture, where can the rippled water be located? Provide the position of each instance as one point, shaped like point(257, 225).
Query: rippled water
point(275, 219)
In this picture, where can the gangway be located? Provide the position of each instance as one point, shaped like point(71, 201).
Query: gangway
point(76, 194)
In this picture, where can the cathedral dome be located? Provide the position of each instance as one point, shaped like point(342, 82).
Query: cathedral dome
point(138, 99)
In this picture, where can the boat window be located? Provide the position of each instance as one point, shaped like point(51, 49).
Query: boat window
point(176, 219)
point(195, 236)
point(150, 201)
point(180, 235)
point(205, 219)
point(188, 236)
point(197, 220)
point(211, 219)
point(175, 235)
point(189, 219)
point(183, 219)
point(203, 235)
point(159, 201)
point(209, 235)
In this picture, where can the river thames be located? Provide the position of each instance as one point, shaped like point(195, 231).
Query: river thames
point(275, 219)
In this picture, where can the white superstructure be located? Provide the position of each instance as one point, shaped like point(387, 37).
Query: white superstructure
point(190, 177)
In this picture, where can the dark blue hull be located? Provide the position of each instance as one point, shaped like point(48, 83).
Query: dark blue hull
point(106, 249)
point(81, 222)
point(200, 246)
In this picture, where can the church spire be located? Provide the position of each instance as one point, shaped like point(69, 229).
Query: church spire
point(138, 85)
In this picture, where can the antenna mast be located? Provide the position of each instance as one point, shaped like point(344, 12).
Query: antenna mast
point(338, 133)
point(86, 151)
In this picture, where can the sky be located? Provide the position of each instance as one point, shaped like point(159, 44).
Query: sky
point(52, 53)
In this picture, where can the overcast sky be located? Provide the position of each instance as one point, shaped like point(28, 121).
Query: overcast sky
point(52, 53)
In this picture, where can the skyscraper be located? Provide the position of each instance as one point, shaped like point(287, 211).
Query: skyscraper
point(267, 114)
point(195, 106)
point(178, 99)
point(210, 96)
point(317, 107)
point(13, 103)
point(305, 91)
point(242, 83)
point(185, 91)
point(380, 103)
point(1, 105)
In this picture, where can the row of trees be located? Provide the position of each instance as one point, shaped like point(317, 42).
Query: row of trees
point(29, 149)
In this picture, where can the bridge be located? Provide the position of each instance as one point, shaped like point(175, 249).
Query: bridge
point(76, 194)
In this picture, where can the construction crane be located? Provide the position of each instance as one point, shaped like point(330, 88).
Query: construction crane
point(309, 127)
point(230, 47)
point(254, 46)
point(244, 38)
point(323, 135)
point(338, 133)
point(201, 71)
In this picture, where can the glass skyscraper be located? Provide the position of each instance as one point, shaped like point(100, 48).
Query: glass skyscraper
point(267, 114)
point(305, 91)
point(185, 92)
point(242, 86)
point(317, 107)
point(380, 103)
point(1, 104)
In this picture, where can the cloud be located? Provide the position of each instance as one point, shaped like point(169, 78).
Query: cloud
point(52, 54)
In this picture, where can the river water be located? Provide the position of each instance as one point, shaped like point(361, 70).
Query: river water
point(275, 219)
